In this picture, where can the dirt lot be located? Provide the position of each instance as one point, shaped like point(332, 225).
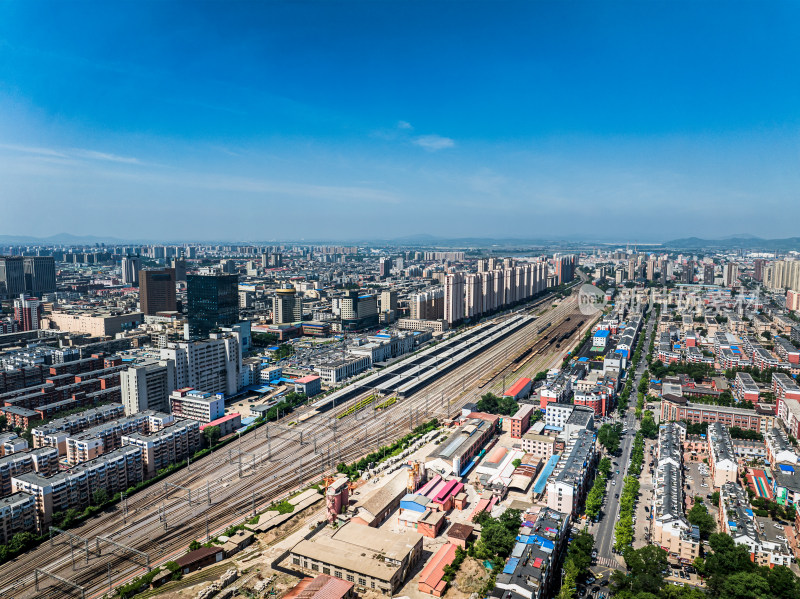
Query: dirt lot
point(470, 579)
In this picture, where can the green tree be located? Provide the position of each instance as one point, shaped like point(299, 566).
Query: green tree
point(498, 535)
point(567, 587)
point(488, 403)
point(21, 541)
point(649, 427)
point(745, 585)
point(516, 463)
point(700, 517)
point(99, 497)
point(609, 436)
point(194, 545)
point(604, 466)
point(212, 434)
point(645, 568)
point(491, 404)
point(672, 591)
point(726, 558)
point(579, 554)
point(783, 584)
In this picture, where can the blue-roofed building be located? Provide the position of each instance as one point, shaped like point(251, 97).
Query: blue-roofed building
point(740, 524)
point(414, 502)
point(600, 338)
point(541, 482)
point(534, 568)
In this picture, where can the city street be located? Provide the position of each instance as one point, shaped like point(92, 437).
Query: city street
point(604, 530)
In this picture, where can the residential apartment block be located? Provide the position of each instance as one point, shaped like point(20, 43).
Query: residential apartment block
point(197, 405)
point(721, 455)
point(567, 487)
point(168, 446)
point(113, 472)
point(737, 520)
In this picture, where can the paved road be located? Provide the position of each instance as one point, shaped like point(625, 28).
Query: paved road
point(604, 531)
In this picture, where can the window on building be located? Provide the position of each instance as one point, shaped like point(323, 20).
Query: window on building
point(351, 578)
point(326, 570)
point(296, 561)
point(315, 567)
point(337, 573)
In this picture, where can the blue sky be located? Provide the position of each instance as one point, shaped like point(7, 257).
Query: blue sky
point(250, 121)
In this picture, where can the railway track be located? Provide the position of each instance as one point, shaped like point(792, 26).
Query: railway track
point(270, 471)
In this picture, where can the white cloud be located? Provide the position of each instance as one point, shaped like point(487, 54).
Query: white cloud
point(70, 153)
point(433, 143)
point(94, 155)
point(33, 150)
point(404, 125)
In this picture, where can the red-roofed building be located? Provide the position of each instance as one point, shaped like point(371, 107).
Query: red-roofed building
point(493, 419)
point(200, 558)
point(519, 389)
point(228, 424)
point(443, 500)
point(431, 579)
point(321, 587)
point(308, 385)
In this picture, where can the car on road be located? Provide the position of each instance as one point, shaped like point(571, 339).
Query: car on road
point(704, 485)
point(616, 495)
point(780, 537)
point(778, 526)
point(594, 553)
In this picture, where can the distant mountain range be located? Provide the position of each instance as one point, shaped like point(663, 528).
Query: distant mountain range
point(731, 242)
point(59, 239)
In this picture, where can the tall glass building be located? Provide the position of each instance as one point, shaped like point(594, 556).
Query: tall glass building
point(212, 301)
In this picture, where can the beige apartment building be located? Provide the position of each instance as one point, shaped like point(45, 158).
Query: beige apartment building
point(96, 324)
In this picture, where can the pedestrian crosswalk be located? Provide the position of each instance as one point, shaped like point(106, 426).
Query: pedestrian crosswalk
point(607, 562)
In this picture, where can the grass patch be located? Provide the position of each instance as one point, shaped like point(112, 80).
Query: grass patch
point(356, 407)
point(284, 507)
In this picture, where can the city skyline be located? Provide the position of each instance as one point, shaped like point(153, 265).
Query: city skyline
point(360, 121)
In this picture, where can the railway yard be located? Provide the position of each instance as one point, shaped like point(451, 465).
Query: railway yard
point(265, 465)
